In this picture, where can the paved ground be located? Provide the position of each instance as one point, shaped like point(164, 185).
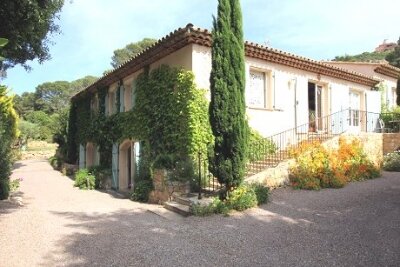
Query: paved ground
point(50, 223)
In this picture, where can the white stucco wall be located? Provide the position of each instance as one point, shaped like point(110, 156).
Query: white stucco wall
point(285, 81)
point(387, 83)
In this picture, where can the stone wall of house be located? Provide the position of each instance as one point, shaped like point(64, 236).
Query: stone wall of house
point(163, 188)
point(391, 142)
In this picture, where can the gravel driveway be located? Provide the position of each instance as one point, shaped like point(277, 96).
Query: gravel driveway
point(50, 223)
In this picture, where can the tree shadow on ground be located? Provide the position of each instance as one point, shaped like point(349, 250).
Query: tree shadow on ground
point(13, 203)
point(346, 227)
point(17, 165)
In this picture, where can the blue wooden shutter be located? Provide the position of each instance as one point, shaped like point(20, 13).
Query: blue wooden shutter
point(133, 93)
point(115, 155)
point(82, 157)
point(121, 99)
point(106, 107)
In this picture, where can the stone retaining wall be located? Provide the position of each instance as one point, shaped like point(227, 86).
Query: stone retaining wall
point(391, 142)
point(163, 189)
point(375, 145)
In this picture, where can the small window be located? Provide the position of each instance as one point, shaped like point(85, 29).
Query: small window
point(256, 90)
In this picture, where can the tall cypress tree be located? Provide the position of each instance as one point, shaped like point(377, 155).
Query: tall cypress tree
point(227, 107)
point(398, 92)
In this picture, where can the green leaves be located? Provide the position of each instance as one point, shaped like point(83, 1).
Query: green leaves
point(171, 114)
point(3, 42)
point(227, 107)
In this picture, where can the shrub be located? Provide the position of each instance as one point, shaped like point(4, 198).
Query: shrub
point(142, 191)
point(4, 188)
point(262, 193)
point(84, 179)
point(217, 206)
point(14, 184)
point(317, 168)
point(242, 198)
point(391, 162)
point(101, 174)
point(259, 147)
point(55, 162)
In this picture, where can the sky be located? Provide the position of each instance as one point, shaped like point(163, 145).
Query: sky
point(317, 29)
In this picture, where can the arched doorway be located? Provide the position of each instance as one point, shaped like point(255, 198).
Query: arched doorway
point(92, 155)
point(126, 165)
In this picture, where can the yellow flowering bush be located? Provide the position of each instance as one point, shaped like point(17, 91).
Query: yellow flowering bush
point(317, 167)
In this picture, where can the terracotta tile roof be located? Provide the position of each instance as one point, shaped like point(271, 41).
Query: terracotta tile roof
point(388, 70)
point(192, 35)
point(382, 67)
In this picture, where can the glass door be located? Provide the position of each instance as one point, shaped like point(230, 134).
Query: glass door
point(354, 111)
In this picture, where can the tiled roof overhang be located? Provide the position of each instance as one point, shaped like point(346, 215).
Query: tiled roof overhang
point(190, 35)
point(388, 71)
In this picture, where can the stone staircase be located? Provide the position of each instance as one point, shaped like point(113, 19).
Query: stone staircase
point(180, 203)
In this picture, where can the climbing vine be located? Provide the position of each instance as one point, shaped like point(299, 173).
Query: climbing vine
point(170, 116)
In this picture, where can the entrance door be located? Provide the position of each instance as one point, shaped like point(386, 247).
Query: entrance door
point(354, 111)
point(315, 107)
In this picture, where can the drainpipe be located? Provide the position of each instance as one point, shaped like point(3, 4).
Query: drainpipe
point(295, 103)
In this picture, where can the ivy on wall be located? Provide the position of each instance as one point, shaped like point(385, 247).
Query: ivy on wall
point(170, 117)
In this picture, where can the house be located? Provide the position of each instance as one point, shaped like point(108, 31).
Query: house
point(385, 46)
point(385, 73)
point(283, 91)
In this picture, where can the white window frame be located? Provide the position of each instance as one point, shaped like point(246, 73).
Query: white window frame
point(266, 104)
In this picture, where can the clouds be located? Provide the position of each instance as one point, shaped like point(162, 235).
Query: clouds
point(320, 29)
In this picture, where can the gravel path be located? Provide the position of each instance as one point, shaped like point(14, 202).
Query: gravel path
point(50, 223)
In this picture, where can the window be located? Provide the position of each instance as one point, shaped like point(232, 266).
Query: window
point(255, 93)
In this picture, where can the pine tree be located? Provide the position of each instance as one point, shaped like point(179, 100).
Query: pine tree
point(227, 107)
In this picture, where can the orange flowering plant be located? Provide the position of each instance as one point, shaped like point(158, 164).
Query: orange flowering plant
point(317, 167)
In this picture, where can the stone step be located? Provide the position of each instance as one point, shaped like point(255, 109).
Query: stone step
point(174, 206)
point(181, 199)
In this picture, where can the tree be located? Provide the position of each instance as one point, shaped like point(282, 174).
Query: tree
point(227, 106)
point(52, 96)
point(8, 134)
point(27, 25)
point(24, 104)
point(363, 57)
point(82, 83)
point(394, 56)
point(130, 50)
point(28, 130)
point(398, 92)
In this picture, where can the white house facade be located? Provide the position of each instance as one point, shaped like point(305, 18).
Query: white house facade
point(283, 91)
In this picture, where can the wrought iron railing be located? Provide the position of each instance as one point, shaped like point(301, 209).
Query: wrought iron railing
point(391, 121)
point(321, 129)
point(270, 151)
point(207, 182)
